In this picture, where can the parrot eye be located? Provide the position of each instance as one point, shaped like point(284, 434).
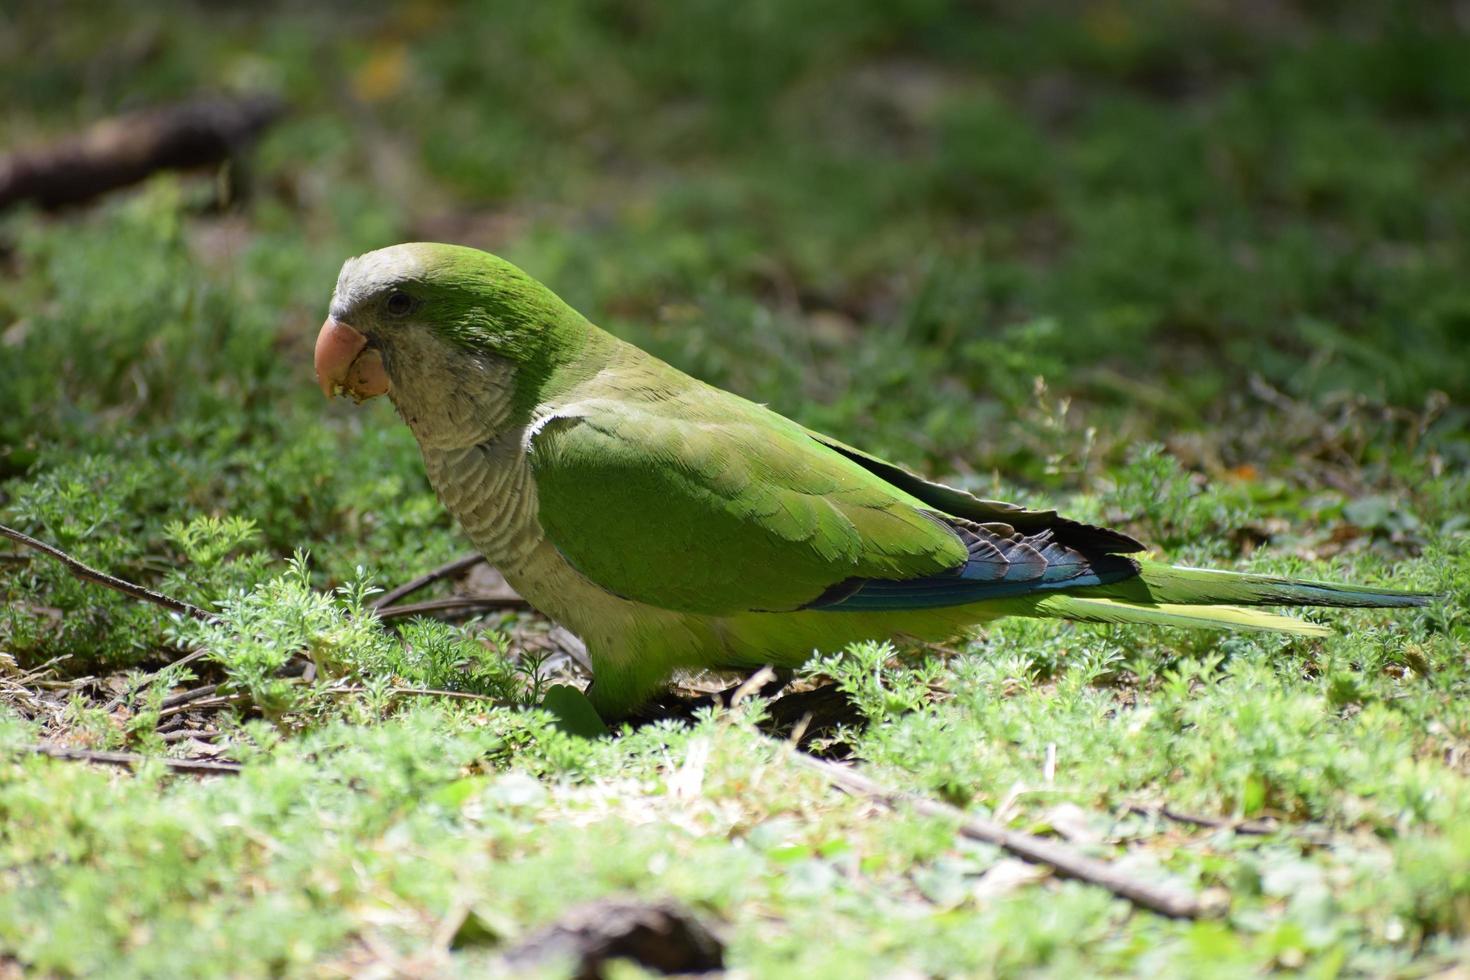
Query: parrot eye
point(399, 303)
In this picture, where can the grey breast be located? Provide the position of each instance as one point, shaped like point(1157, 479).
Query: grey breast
point(489, 490)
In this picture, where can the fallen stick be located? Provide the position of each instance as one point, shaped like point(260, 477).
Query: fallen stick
point(1248, 827)
point(1315, 836)
point(201, 704)
point(131, 760)
point(185, 697)
point(454, 604)
point(447, 570)
point(89, 574)
point(458, 605)
point(124, 150)
point(1164, 899)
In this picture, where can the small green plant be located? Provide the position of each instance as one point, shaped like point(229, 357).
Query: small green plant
point(436, 655)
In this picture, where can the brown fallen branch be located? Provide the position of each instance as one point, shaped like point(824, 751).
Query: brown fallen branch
point(131, 760)
point(454, 606)
point(447, 570)
point(1246, 828)
point(1164, 899)
point(89, 574)
point(203, 703)
point(185, 697)
point(120, 151)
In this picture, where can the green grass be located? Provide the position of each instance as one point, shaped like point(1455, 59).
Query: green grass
point(1192, 271)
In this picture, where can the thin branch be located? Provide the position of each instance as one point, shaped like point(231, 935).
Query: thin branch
point(185, 697)
point(202, 703)
point(1247, 828)
point(187, 658)
point(89, 574)
point(1164, 899)
point(429, 692)
point(132, 760)
point(36, 673)
point(448, 570)
point(1255, 827)
point(458, 605)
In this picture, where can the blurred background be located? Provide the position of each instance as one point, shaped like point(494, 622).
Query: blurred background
point(1124, 250)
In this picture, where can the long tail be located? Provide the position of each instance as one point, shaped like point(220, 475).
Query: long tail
point(1177, 596)
point(1176, 583)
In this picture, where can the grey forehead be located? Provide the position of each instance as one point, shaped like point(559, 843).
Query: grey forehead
point(367, 275)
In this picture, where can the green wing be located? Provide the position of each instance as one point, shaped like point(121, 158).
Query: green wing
point(958, 503)
point(722, 508)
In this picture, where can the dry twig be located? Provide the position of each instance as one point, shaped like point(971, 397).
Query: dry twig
point(447, 570)
point(202, 703)
point(1164, 899)
point(89, 574)
point(455, 605)
point(132, 760)
point(1246, 828)
point(1159, 898)
point(185, 697)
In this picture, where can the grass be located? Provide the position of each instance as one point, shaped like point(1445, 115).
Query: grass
point(1192, 271)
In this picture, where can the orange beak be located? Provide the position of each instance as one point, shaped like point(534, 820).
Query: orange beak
point(344, 362)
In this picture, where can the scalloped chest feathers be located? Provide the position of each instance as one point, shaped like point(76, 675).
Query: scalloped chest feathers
point(490, 491)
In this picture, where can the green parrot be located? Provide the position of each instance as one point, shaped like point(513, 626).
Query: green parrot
point(673, 525)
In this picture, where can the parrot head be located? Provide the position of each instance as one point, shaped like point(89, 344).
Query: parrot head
point(447, 332)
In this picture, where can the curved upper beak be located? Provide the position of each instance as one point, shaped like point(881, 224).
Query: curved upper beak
point(344, 362)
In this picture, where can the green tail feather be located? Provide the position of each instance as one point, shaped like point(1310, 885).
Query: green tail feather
point(1170, 595)
point(1195, 586)
point(1091, 610)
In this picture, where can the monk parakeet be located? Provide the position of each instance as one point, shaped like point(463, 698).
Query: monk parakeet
point(674, 525)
